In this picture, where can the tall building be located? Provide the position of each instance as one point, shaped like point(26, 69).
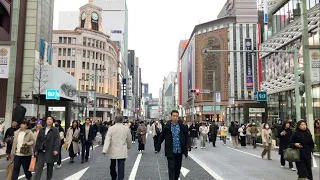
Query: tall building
point(33, 45)
point(278, 68)
point(81, 52)
point(178, 85)
point(235, 74)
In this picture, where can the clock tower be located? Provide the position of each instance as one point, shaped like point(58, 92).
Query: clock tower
point(90, 17)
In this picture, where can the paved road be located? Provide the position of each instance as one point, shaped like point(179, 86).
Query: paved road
point(220, 163)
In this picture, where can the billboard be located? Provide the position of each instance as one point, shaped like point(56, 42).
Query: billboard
point(249, 82)
point(4, 61)
point(190, 60)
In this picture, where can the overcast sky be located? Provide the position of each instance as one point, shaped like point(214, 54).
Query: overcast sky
point(155, 29)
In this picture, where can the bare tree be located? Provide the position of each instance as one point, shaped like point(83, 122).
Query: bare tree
point(39, 81)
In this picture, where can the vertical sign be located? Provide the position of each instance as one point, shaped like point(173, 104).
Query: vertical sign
point(189, 56)
point(218, 97)
point(249, 64)
point(4, 61)
point(124, 89)
point(265, 11)
point(315, 65)
point(90, 97)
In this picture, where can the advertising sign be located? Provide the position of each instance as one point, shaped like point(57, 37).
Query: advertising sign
point(90, 97)
point(249, 81)
point(53, 94)
point(260, 96)
point(315, 65)
point(265, 11)
point(124, 89)
point(218, 97)
point(189, 51)
point(4, 61)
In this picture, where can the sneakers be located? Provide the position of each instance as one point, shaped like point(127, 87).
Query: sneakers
point(282, 166)
point(58, 166)
point(293, 169)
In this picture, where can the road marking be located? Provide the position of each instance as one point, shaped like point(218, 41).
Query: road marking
point(22, 176)
point(77, 175)
point(205, 167)
point(245, 152)
point(135, 168)
point(184, 171)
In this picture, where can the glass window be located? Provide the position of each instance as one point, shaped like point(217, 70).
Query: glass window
point(59, 63)
point(74, 40)
point(97, 55)
point(312, 3)
point(286, 14)
point(64, 40)
point(73, 52)
point(60, 39)
point(88, 54)
point(72, 73)
point(84, 53)
point(60, 52)
point(290, 11)
point(84, 41)
point(83, 65)
point(69, 52)
point(69, 40)
point(92, 67)
point(278, 21)
point(87, 77)
point(64, 63)
point(88, 65)
point(83, 76)
point(89, 41)
point(64, 51)
point(68, 64)
point(93, 55)
point(73, 64)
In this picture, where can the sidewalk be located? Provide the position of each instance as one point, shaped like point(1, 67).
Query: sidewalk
point(277, 147)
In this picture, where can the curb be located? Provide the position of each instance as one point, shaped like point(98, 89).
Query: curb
point(277, 148)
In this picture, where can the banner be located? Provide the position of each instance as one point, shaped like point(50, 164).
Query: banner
point(4, 61)
point(90, 97)
point(315, 65)
point(124, 90)
point(218, 97)
point(249, 64)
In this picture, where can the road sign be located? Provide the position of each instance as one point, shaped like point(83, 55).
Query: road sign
point(260, 96)
point(53, 94)
point(205, 91)
point(257, 110)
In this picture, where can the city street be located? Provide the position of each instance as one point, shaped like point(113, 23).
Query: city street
point(220, 163)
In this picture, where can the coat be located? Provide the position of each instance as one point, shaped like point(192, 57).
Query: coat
point(142, 133)
point(193, 129)
point(213, 131)
point(284, 139)
point(266, 136)
point(118, 141)
point(153, 126)
point(204, 130)
point(51, 142)
point(166, 135)
point(29, 139)
point(91, 134)
point(69, 137)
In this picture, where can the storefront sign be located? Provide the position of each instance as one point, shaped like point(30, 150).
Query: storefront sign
point(124, 90)
point(257, 110)
point(218, 97)
point(53, 94)
point(315, 65)
point(249, 64)
point(4, 61)
point(56, 109)
point(260, 96)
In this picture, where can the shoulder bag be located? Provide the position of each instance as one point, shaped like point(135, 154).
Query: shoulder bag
point(291, 155)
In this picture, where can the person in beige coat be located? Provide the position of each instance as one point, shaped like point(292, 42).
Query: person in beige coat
point(23, 139)
point(266, 135)
point(142, 136)
point(117, 143)
point(72, 140)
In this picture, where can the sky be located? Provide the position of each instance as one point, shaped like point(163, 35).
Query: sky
point(155, 30)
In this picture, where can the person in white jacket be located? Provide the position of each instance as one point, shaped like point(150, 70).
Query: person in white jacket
point(243, 132)
point(204, 130)
point(118, 141)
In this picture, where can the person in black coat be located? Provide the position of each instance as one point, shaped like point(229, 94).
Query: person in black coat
point(194, 134)
point(9, 136)
point(302, 139)
point(47, 148)
point(86, 138)
point(214, 132)
point(284, 135)
point(175, 134)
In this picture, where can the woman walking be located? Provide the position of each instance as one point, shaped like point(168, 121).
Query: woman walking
point(284, 136)
point(266, 140)
point(254, 134)
point(302, 140)
point(204, 130)
point(142, 136)
point(72, 140)
point(242, 131)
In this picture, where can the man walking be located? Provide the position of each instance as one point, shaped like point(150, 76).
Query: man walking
point(175, 133)
point(116, 145)
point(214, 132)
point(86, 137)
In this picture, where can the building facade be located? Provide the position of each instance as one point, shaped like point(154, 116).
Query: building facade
point(84, 53)
point(278, 78)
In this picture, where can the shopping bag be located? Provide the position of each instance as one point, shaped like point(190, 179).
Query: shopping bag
point(9, 171)
point(65, 146)
point(291, 155)
point(32, 166)
point(314, 162)
point(273, 144)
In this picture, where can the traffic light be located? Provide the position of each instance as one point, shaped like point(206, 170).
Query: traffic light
point(197, 91)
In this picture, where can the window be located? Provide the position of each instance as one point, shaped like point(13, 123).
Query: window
point(87, 87)
point(74, 41)
point(73, 52)
point(64, 51)
point(93, 42)
point(83, 76)
point(93, 53)
point(88, 54)
point(88, 64)
point(103, 57)
point(83, 65)
point(69, 52)
point(89, 41)
point(69, 40)
point(60, 51)
point(84, 41)
point(99, 79)
point(100, 56)
point(72, 73)
point(84, 53)
point(68, 64)
point(64, 40)
point(100, 66)
point(87, 77)
point(99, 89)
point(64, 63)
point(82, 87)
point(97, 55)
point(102, 89)
point(73, 64)
point(100, 44)
point(59, 63)
point(97, 44)
point(96, 66)
point(60, 40)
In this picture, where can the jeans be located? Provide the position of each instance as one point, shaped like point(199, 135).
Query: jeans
point(267, 150)
point(193, 141)
point(203, 140)
point(25, 162)
point(174, 166)
point(39, 167)
point(133, 134)
point(113, 171)
point(155, 141)
point(85, 150)
point(224, 139)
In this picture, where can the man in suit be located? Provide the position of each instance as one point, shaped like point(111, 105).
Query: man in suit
point(86, 137)
point(175, 133)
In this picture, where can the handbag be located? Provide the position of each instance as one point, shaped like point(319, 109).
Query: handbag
point(25, 149)
point(32, 166)
point(75, 139)
point(291, 155)
point(9, 171)
point(273, 144)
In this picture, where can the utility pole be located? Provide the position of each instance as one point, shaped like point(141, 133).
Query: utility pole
point(12, 63)
point(192, 111)
point(214, 94)
point(306, 66)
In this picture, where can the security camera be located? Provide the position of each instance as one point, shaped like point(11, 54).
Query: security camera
point(27, 95)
